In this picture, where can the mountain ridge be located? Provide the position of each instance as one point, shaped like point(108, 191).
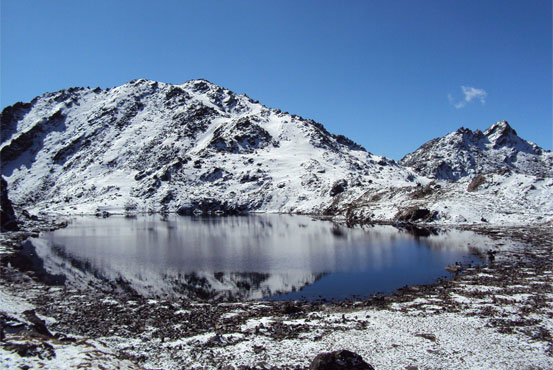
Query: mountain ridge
point(175, 148)
point(148, 146)
point(466, 152)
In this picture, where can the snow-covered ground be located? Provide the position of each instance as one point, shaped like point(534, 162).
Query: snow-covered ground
point(500, 199)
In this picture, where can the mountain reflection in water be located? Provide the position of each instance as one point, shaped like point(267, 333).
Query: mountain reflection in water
point(246, 257)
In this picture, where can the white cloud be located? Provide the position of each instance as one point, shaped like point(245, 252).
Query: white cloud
point(474, 93)
point(470, 93)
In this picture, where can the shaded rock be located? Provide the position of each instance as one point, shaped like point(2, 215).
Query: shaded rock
point(291, 309)
point(429, 336)
point(23, 142)
point(41, 350)
point(37, 325)
point(337, 360)
point(416, 214)
point(476, 182)
point(338, 187)
point(211, 206)
point(243, 136)
point(8, 221)
point(455, 269)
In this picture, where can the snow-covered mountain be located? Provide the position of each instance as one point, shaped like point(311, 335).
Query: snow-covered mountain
point(471, 177)
point(465, 152)
point(151, 146)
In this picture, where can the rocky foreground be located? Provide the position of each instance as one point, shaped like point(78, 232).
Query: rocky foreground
point(495, 316)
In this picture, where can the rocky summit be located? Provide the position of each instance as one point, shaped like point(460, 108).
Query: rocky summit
point(197, 147)
point(466, 152)
point(151, 146)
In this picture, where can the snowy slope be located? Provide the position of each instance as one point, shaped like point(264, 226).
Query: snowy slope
point(465, 152)
point(151, 146)
point(501, 199)
point(478, 177)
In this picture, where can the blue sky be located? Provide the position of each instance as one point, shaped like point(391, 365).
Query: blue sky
point(390, 75)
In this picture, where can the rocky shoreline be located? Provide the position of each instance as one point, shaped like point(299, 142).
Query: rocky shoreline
point(498, 315)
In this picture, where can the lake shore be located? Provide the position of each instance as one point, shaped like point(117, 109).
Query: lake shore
point(499, 315)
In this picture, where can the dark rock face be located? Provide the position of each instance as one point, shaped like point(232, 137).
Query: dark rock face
point(244, 136)
point(42, 350)
point(32, 138)
point(338, 360)
point(37, 325)
point(8, 221)
point(415, 214)
point(211, 206)
point(338, 187)
point(9, 117)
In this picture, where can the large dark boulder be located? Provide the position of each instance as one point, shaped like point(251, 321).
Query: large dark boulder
point(8, 221)
point(338, 187)
point(339, 360)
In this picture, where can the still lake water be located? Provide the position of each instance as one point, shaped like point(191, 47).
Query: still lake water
point(246, 257)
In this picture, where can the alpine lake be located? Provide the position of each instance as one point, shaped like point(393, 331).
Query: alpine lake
point(241, 258)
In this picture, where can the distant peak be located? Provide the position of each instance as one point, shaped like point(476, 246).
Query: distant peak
point(139, 81)
point(201, 85)
point(500, 128)
point(463, 130)
point(202, 80)
point(196, 81)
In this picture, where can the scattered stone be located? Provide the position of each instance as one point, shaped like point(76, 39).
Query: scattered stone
point(456, 268)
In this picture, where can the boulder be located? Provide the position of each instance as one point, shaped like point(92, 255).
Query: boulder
point(337, 360)
point(37, 325)
point(338, 187)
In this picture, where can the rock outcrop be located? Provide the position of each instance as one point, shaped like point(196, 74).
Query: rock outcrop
point(8, 221)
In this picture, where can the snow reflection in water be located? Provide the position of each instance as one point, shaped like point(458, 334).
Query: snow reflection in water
point(248, 257)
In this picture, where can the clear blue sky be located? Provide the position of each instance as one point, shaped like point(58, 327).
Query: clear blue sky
point(387, 74)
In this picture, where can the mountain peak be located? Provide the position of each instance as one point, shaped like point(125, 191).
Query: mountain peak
point(499, 129)
point(467, 152)
point(159, 146)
